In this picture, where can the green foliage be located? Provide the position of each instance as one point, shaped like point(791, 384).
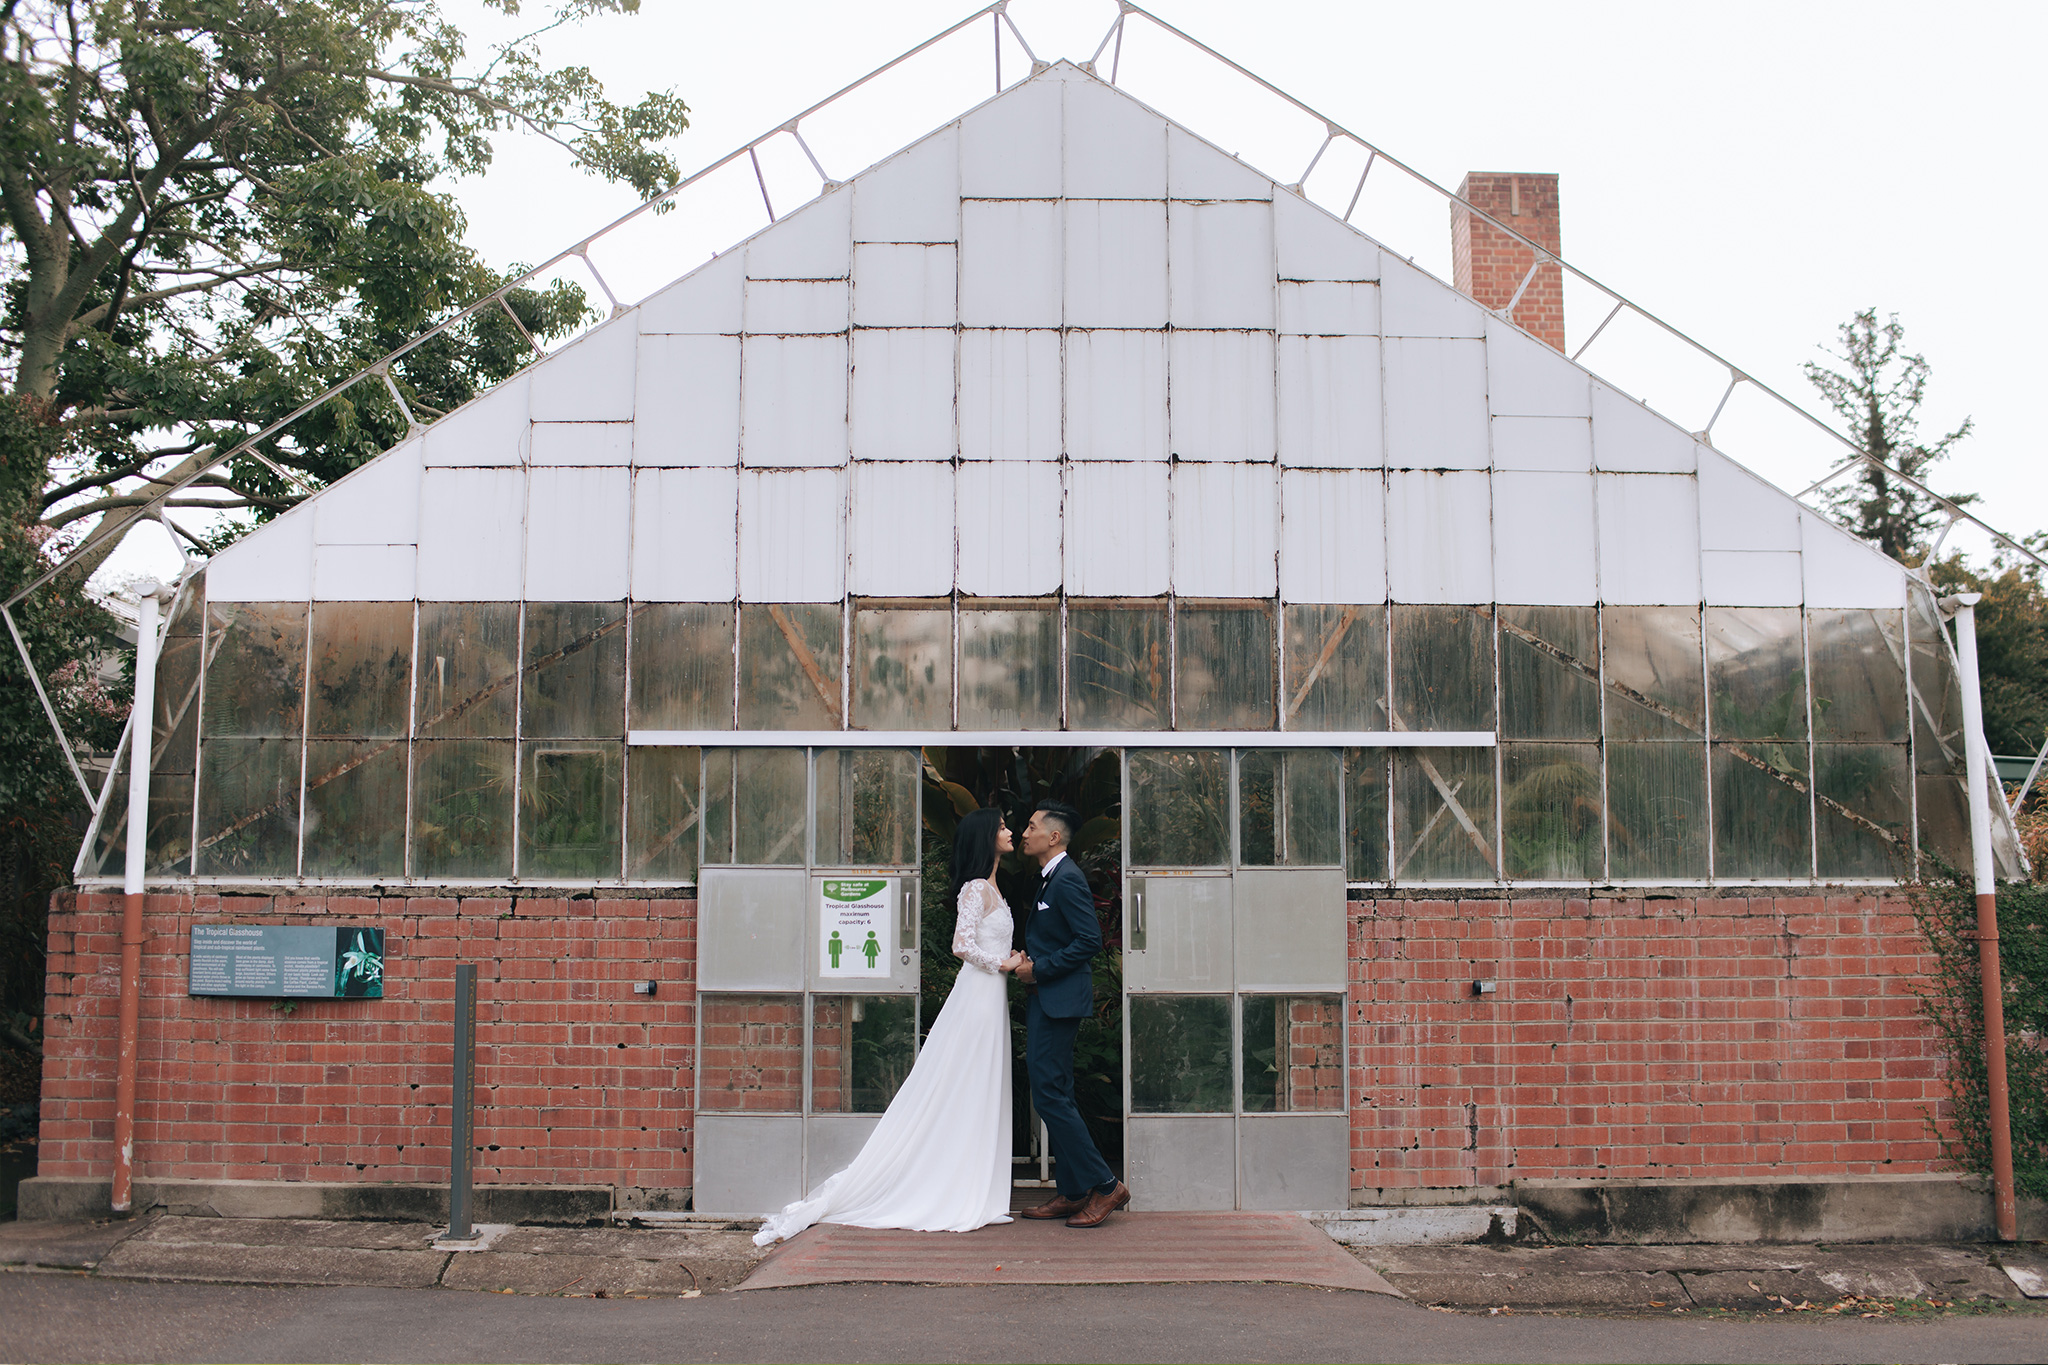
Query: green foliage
point(1953, 1002)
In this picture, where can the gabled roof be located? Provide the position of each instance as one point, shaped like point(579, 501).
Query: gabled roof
point(1059, 343)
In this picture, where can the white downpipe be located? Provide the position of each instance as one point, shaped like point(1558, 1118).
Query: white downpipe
point(1975, 758)
point(140, 733)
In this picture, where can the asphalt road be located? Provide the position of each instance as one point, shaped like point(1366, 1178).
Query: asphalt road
point(64, 1317)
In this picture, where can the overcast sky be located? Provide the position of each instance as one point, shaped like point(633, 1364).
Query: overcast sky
point(1754, 173)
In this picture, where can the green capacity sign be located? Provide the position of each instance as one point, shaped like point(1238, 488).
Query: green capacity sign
point(286, 962)
point(856, 924)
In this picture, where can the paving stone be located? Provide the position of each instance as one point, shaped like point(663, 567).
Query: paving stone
point(136, 1259)
point(498, 1271)
point(683, 1244)
point(63, 1246)
point(1756, 1290)
point(291, 1232)
point(1544, 1288)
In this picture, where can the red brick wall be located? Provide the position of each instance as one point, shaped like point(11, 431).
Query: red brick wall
point(1489, 265)
point(579, 1081)
point(1718, 1036)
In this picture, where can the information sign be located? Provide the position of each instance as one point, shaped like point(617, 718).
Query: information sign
point(286, 962)
point(856, 926)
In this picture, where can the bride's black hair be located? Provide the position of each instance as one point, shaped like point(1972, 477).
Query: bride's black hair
point(974, 848)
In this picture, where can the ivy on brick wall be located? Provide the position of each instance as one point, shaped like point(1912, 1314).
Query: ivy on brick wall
point(1953, 1001)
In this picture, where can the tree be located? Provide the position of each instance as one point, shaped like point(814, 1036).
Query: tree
point(2012, 648)
point(1878, 394)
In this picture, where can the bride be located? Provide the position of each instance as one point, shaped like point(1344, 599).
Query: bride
point(939, 1160)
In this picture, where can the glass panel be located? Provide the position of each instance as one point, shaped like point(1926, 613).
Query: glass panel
point(1116, 665)
point(569, 808)
point(1858, 786)
point(255, 669)
point(662, 813)
point(1293, 1054)
point(1762, 818)
point(1944, 822)
point(249, 806)
point(867, 808)
point(790, 666)
point(1859, 674)
point(575, 683)
point(362, 669)
point(1443, 668)
point(862, 1046)
point(462, 808)
point(174, 743)
point(1223, 670)
point(1654, 678)
point(468, 675)
point(1287, 808)
point(903, 667)
point(1657, 811)
point(1365, 815)
point(1550, 672)
point(1010, 666)
point(1443, 815)
point(1180, 1054)
point(1756, 663)
point(1551, 810)
point(169, 838)
point(754, 806)
point(1180, 807)
point(752, 1057)
point(355, 807)
point(682, 666)
point(107, 854)
point(1937, 691)
point(1336, 667)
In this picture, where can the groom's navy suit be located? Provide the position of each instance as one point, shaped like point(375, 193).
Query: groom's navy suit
point(1061, 938)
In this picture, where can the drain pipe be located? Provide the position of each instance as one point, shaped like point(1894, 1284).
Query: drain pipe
point(141, 725)
point(1974, 751)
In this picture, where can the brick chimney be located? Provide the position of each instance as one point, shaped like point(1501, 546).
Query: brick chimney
point(1489, 265)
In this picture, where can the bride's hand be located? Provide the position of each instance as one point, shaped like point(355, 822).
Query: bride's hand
point(1011, 963)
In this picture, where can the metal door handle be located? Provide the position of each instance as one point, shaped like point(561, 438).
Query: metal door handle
point(1137, 885)
point(911, 892)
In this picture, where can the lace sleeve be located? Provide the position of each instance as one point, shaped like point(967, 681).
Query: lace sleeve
point(977, 899)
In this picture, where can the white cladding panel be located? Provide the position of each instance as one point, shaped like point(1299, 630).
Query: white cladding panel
point(1333, 536)
point(1116, 395)
point(1329, 402)
point(1220, 261)
point(1116, 263)
point(1739, 511)
point(1010, 147)
point(1116, 530)
point(1116, 148)
point(1543, 539)
point(1414, 303)
point(1556, 443)
point(793, 401)
point(365, 573)
point(688, 409)
point(1649, 539)
point(814, 243)
point(582, 443)
point(905, 284)
point(1225, 526)
point(1009, 529)
point(914, 196)
point(1010, 263)
point(1628, 436)
point(1436, 403)
point(1196, 170)
point(1330, 307)
point(685, 534)
point(902, 530)
point(709, 299)
point(378, 504)
point(792, 535)
point(1009, 394)
point(796, 307)
point(1751, 578)
point(590, 379)
point(1525, 378)
point(586, 512)
point(1841, 571)
point(902, 407)
point(491, 431)
point(1220, 395)
point(473, 535)
point(1309, 244)
point(273, 563)
point(1439, 536)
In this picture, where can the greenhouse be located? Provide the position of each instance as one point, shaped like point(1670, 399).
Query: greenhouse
point(1060, 450)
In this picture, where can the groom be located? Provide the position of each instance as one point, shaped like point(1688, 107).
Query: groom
point(1059, 939)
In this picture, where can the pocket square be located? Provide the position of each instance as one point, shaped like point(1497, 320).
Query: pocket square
point(1043, 906)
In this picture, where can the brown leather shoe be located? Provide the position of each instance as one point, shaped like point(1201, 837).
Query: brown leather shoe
point(1099, 1206)
point(1059, 1206)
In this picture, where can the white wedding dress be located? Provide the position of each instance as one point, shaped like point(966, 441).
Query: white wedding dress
point(939, 1160)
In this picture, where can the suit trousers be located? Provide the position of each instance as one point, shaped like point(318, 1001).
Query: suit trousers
point(1049, 1059)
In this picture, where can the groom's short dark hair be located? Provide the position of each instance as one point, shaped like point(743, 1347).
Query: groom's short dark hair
point(1061, 814)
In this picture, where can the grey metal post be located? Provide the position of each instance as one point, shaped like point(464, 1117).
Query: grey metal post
point(462, 1123)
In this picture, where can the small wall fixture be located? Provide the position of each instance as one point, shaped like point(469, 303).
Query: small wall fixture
point(1484, 987)
point(643, 987)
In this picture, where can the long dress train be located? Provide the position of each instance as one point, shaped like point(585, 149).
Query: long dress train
point(939, 1159)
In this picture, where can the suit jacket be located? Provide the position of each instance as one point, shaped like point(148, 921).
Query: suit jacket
point(1061, 938)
